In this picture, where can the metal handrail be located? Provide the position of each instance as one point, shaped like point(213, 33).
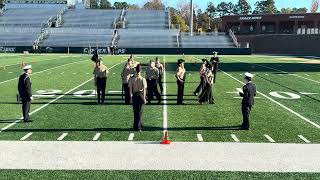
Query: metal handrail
point(234, 38)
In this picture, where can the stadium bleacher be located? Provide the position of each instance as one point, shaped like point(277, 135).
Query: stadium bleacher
point(203, 41)
point(146, 19)
point(18, 36)
point(90, 18)
point(91, 28)
point(157, 38)
point(21, 24)
point(78, 37)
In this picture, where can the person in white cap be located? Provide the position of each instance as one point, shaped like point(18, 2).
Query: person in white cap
point(24, 88)
point(248, 94)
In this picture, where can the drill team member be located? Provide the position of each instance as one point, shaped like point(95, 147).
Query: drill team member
point(181, 71)
point(215, 65)
point(126, 75)
point(206, 95)
point(137, 89)
point(24, 89)
point(249, 92)
point(152, 76)
point(202, 75)
point(100, 76)
point(161, 71)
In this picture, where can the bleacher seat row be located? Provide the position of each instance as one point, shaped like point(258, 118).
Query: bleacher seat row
point(22, 24)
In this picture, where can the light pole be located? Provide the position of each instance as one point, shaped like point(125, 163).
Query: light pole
point(191, 18)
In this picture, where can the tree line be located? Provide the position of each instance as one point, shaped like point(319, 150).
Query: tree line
point(204, 20)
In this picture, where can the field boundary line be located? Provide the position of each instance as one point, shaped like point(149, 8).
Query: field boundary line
point(278, 71)
point(278, 103)
point(43, 71)
point(165, 107)
point(61, 96)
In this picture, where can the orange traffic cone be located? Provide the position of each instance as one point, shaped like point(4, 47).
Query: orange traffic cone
point(166, 138)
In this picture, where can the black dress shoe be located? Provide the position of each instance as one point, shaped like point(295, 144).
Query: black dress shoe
point(28, 121)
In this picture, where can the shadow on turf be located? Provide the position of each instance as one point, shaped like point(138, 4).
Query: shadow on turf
point(9, 121)
point(239, 66)
point(146, 129)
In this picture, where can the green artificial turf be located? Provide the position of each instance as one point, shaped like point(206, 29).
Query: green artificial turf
point(141, 175)
point(82, 118)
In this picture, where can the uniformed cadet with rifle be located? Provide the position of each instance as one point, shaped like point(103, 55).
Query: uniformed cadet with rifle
point(100, 76)
point(206, 95)
point(126, 75)
point(202, 75)
point(152, 75)
point(25, 94)
point(180, 75)
point(248, 94)
point(215, 65)
point(137, 89)
point(161, 71)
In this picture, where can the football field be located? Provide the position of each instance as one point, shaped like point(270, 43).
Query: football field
point(287, 107)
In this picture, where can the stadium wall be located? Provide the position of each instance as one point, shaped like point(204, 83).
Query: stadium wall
point(283, 44)
point(105, 50)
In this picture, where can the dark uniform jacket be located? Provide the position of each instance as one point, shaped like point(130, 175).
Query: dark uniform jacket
point(24, 87)
point(215, 63)
point(249, 91)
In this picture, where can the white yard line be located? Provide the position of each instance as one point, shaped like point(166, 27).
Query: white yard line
point(61, 96)
point(304, 139)
point(113, 92)
point(306, 93)
point(200, 138)
point(278, 103)
point(96, 137)
point(43, 71)
point(165, 107)
point(63, 135)
point(269, 138)
point(131, 136)
point(26, 136)
point(234, 137)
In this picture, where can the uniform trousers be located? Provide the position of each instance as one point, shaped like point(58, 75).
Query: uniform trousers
point(206, 95)
point(246, 115)
point(101, 89)
point(160, 83)
point(153, 90)
point(201, 86)
point(127, 98)
point(180, 92)
point(137, 104)
point(26, 109)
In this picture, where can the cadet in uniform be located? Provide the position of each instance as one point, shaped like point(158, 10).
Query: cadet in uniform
point(206, 95)
point(181, 71)
point(161, 71)
point(126, 75)
point(249, 92)
point(137, 89)
point(152, 76)
point(215, 65)
point(24, 89)
point(100, 76)
point(202, 74)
